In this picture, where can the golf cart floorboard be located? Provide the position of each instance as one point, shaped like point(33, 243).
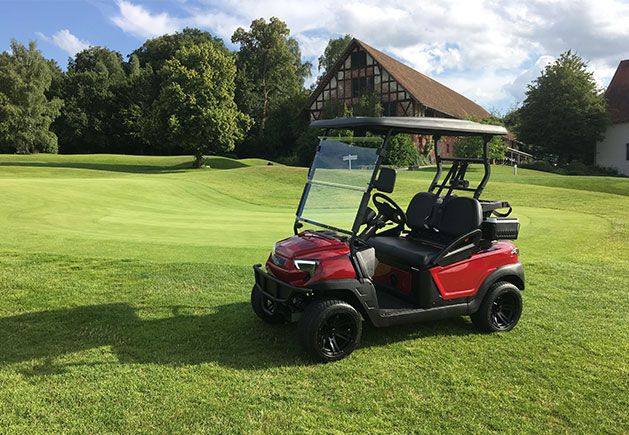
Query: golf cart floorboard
point(386, 301)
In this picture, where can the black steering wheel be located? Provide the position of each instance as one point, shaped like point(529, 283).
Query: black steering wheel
point(389, 208)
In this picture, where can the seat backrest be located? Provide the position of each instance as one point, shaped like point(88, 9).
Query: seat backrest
point(459, 216)
point(420, 210)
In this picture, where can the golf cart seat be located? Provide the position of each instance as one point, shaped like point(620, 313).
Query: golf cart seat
point(440, 232)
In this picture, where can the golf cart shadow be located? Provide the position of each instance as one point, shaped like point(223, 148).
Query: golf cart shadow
point(229, 335)
point(450, 327)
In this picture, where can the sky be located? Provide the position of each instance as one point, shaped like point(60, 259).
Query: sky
point(487, 50)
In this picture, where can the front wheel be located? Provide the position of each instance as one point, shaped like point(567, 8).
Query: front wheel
point(330, 329)
point(265, 308)
point(501, 308)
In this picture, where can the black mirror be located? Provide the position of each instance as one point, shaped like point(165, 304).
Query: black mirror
point(369, 215)
point(386, 180)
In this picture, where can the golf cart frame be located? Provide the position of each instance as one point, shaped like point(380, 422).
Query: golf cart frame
point(373, 271)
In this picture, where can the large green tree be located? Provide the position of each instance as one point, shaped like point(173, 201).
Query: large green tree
point(157, 51)
point(141, 104)
point(25, 110)
point(332, 51)
point(270, 72)
point(564, 113)
point(91, 119)
point(196, 104)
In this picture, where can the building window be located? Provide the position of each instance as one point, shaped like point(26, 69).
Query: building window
point(359, 59)
point(361, 85)
point(389, 109)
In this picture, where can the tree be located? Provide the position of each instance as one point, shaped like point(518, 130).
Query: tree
point(140, 96)
point(564, 113)
point(472, 147)
point(369, 104)
point(25, 111)
point(332, 52)
point(197, 105)
point(157, 51)
point(270, 72)
point(402, 151)
point(91, 119)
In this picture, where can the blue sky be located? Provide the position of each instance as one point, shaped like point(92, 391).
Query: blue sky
point(485, 49)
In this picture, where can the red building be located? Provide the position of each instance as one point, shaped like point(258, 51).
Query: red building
point(403, 91)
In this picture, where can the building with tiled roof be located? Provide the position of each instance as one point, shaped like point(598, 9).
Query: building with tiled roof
point(404, 91)
point(613, 151)
point(361, 69)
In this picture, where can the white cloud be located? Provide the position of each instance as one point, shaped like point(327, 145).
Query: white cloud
point(66, 41)
point(517, 88)
point(135, 19)
point(485, 49)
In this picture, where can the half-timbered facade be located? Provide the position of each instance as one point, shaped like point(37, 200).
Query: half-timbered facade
point(403, 91)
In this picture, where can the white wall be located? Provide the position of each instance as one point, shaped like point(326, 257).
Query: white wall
point(611, 152)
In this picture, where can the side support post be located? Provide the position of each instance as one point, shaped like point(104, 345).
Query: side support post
point(435, 180)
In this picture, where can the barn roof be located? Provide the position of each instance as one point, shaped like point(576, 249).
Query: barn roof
point(617, 94)
point(427, 91)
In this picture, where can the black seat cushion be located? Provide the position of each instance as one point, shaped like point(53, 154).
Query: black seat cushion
point(404, 251)
point(459, 216)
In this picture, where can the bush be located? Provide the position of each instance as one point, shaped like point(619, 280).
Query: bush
point(576, 167)
point(402, 151)
point(539, 165)
point(290, 160)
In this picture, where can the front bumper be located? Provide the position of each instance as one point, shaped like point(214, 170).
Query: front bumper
point(286, 296)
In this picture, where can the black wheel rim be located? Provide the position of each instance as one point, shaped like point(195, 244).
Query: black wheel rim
point(504, 311)
point(337, 334)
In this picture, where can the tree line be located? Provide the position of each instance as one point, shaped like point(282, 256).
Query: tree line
point(188, 93)
point(179, 93)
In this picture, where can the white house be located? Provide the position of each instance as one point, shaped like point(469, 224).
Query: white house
point(613, 151)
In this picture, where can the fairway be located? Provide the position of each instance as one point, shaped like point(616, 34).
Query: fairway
point(125, 283)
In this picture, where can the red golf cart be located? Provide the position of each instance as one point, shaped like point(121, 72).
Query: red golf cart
point(446, 255)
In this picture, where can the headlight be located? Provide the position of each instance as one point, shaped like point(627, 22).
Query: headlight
point(306, 265)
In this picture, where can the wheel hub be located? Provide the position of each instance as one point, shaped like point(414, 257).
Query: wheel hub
point(337, 334)
point(504, 311)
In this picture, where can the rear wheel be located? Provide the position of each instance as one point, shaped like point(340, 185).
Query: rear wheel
point(330, 329)
point(501, 308)
point(265, 308)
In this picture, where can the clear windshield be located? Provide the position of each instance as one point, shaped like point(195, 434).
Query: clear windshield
point(338, 178)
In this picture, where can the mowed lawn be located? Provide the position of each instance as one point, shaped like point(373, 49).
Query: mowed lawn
point(125, 308)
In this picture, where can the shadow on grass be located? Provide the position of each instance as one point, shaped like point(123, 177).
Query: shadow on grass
point(213, 162)
point(111, 167)
point(229, 335)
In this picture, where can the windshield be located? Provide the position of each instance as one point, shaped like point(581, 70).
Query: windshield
point(339, 176)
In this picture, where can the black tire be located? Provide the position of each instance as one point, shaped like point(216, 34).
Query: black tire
point(500, 310)
point(330, 329)
point(264, 308)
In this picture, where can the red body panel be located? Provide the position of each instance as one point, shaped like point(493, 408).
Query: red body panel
point(331, 253)
point(465, 277)
point(457, 280)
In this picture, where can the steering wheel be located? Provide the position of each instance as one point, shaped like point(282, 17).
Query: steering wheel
point(389, 208)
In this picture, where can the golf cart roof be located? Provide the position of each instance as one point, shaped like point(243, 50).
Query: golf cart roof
point(423, 125)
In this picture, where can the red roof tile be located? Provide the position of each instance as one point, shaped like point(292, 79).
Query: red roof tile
point(617, 94)
point(427, 91)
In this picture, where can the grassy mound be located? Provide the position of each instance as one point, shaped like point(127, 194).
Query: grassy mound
point(125, 282)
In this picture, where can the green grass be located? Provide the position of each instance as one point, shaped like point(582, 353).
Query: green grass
point(125, 284)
